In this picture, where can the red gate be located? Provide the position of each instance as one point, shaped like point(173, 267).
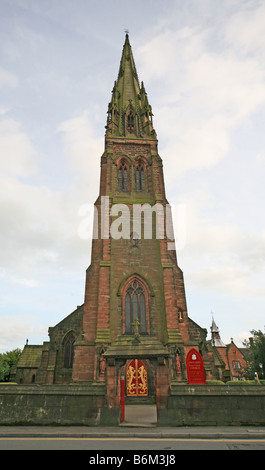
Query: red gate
point(137, 379)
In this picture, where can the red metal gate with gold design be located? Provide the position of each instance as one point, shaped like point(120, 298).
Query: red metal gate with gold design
point(137, 379)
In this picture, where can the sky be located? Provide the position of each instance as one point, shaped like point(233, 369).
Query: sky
point(203, 66)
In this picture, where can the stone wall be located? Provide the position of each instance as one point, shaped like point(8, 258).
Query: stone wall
point(197, 405)
point(54, 405)
point(205, 405)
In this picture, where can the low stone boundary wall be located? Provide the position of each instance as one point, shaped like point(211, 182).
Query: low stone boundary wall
point(187, 405)
point(54, 404)
point(202, 405)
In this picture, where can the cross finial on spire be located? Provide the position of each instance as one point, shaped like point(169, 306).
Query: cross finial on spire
point(126, 35)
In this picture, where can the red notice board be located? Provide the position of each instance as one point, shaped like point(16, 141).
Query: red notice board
point(195, 368)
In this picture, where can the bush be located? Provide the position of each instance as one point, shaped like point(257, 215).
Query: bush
point(242, 382)
point(214, 382)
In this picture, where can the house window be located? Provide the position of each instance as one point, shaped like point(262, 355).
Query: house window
point(123, 177)
point(69, 351)
point(135, 308)
point(139, 177)
point(236, 365)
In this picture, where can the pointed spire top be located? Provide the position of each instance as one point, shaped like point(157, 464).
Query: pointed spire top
point(214, 327)
point(129, 112)
point(216, 338)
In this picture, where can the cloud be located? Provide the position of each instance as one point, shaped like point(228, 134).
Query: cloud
point(39, 228)
point(8, 79)
point(244, 30)
point(39, 225)
point(220, 255)
point(15, 329)
point(208, 91)
point(240, 337)
point(81, 146)
point(200, 144)
point(18, 156)
point(260, 157)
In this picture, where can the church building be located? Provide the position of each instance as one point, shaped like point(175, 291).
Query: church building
point(133, 333)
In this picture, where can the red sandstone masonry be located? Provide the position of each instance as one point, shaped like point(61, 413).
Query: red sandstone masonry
point(170, 298)
point(103, 297)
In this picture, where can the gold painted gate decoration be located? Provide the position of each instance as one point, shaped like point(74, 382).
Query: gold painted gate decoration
point(136, 379)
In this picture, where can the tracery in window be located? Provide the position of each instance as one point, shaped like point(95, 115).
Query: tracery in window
point(69, 350)
point(135, 307)
point(123, 176)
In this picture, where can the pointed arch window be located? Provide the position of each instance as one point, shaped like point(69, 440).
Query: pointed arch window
point(69, 350)
point(135, 307)
point(123, 176)
point(139, 177)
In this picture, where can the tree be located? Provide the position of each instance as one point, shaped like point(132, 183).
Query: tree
point(7, 360)
point(255, 354)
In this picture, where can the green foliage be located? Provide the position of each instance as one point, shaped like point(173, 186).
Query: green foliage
point(214, 382)
point(255, 355)
point(7, 360)
point(242, 382)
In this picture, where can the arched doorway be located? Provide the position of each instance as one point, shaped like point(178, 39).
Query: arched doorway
point(138, 400)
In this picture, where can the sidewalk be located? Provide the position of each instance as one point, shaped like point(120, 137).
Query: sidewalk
point(132, 432)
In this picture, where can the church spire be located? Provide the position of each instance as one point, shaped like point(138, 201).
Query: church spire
point(129, 112)
point(216, 338)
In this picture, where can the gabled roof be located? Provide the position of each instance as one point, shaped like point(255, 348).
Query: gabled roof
point(30, 356)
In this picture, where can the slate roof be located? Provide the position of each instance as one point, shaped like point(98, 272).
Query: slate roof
point(30, 357)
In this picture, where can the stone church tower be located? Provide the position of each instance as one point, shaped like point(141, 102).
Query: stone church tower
point(135, 312)
point(133, 328)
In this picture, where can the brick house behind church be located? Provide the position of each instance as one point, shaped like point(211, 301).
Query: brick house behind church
point(232, 357)
point(129, 280)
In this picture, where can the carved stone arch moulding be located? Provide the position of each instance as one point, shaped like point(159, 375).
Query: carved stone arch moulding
point(124, 158)
point(141, 159)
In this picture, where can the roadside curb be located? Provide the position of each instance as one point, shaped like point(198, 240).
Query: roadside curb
point(129, 433)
